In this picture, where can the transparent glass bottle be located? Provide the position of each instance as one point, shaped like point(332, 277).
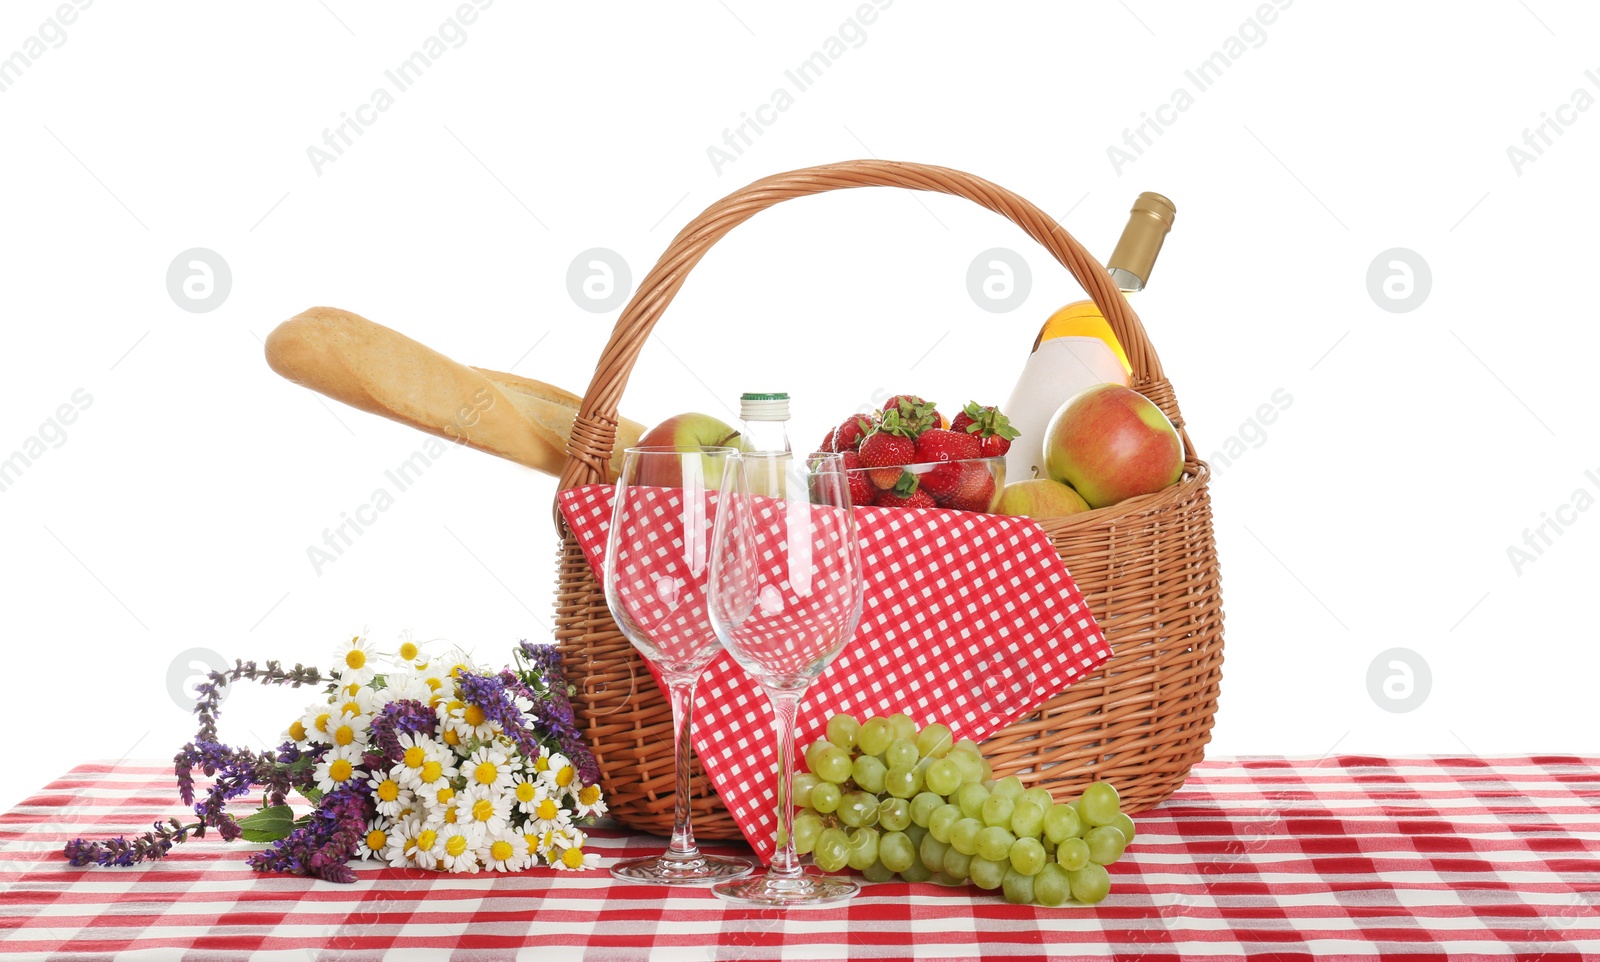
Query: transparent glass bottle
point(766, 422)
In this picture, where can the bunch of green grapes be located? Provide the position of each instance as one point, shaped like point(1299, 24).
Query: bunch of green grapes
point(886, 799)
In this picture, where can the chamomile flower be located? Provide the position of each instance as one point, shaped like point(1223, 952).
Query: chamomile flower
point(456, 662)
point(561, 773)
point(549, 816)
point(541, 762)
point(407, 686)
point(389, 796)
point(469, 721)
point(489, 810)
point(439, 806)
point(339, 768)
point(409, 650)
point(588, 802)
point(375, 842)
point(427, 848)
point(416, 749)
point(505, 851)
point(297, 733)
point(316, 722)
point(435, 772)
point(527, 793)
point(348, 730)
point(402, 838)
point(353, 661)
point(458, 845)
point(490, 767)
point(574, 859)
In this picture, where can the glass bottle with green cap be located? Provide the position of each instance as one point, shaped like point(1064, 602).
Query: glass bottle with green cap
point(766, 421)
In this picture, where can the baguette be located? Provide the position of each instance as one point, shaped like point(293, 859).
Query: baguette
point(381, 371)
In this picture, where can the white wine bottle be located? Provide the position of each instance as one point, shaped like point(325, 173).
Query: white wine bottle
point(1076, 348)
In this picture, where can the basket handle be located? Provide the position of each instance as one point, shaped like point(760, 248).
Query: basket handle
point(593, 436)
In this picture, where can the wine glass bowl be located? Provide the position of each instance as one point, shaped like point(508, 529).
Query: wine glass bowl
point(658, 555)
point(785, 595)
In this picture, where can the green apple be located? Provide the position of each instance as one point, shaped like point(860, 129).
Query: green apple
point(1111, 443)
point(1040, 498)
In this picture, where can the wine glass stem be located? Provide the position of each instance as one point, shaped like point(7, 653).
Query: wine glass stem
point(682, 845)
point(785, 703)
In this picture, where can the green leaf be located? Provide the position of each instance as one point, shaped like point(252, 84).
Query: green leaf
point(268, 825)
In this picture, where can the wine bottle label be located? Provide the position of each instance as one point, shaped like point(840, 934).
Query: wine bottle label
point(1054, 374)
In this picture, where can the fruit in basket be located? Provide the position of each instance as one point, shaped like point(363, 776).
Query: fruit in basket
point(915, 411)
point(684, 430)
point(976, 489)
point(940, 445)
point(1111, 443)
point(917, 804)
point(906, 493)
point(891, 445)
point(862, 490)
point(847, 436)
point(1040, 498)
point(992, 429)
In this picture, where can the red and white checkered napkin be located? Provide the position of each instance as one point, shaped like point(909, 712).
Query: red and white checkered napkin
point(970, 620)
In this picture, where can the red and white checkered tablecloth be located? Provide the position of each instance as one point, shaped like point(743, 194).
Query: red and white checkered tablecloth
point(1346, 857)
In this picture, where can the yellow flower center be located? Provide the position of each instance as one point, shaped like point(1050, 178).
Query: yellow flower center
point(427, 839)
point(408, 650)
point(376, 840)
point(455, 705)
point(486, 773)
point(451, 738)
point(548, 809)
point(564, 777)
point(355, 658)
point(483, 810)
point(388, 790)
point(340, 770)
point(445, 794)
point(457, 845)
point(450, 816)
point(501, 850)
point(526, 792)
point(533, 843)
point(351, 689)
point(351, 708)
point(433, 683)
point(422, 666)
point(541, 764)
point(297, 731)
point(415, 756)
point(589, 794)
point(457, 670)
point(432, 771)
point(344, 735)
point(473, 715)
point(572, 858)
point(322, 722)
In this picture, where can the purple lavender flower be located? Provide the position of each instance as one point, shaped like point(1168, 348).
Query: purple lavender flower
point(321, 847)
point(399, 718)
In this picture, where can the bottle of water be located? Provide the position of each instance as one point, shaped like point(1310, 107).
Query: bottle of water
point(766, 422)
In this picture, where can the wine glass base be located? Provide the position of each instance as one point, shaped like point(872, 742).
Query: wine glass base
point(781, 891)
point(666, 870)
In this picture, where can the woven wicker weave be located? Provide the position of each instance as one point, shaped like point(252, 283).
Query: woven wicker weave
point(1147, 566)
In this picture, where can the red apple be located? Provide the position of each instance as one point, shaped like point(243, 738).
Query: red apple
point(682, 430)
point(1111, 443)
point(1040, 498)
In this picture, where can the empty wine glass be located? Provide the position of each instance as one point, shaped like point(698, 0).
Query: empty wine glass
point(785, 595)
point(657, 561)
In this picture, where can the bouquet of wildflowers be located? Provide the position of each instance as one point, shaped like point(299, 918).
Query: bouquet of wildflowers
point(429, 761)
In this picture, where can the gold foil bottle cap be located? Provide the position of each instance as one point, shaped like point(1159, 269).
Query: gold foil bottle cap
point(1135, 254)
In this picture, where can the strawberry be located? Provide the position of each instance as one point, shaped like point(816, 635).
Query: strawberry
point(918, 414)
point(827, 443)
point(847, 436)
point(993, 429)
point(975, 490)
point(888, 447)
point(939, 445)
point(861, 490)
point(907, 493)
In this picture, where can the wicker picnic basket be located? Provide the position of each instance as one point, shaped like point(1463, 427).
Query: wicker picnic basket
point(1147, 566)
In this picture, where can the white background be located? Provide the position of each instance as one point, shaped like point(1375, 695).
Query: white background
point(1377, 512)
